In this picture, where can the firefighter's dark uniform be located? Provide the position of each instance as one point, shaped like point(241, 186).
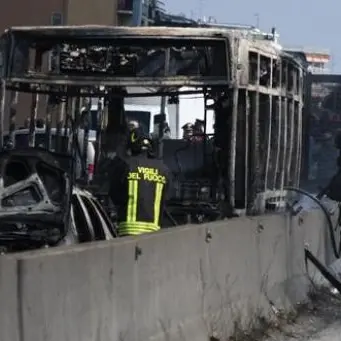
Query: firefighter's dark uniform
point(138, 188)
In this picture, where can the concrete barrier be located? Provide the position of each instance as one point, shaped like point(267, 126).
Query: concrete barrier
point(180, 284)
point(9, 300)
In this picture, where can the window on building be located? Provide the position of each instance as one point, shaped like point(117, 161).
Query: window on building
point(56, 19)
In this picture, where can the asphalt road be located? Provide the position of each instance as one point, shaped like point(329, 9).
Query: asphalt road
point(332, 333)
point(320, 320)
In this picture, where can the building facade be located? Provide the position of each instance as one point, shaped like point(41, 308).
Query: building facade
point(56, 12)
point(318, 61)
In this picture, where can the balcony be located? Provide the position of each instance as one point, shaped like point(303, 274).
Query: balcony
point(125, 7)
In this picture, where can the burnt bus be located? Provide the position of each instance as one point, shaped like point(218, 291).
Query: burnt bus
point(254, 88)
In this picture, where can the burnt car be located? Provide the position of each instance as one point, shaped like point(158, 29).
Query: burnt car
point(40, 208)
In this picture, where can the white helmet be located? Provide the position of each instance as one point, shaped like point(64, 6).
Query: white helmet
point(133, 124)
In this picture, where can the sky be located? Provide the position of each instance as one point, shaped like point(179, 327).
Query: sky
point(300, 23)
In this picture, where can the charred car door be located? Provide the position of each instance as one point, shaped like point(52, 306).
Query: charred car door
point(89, 220)
point(34, 198)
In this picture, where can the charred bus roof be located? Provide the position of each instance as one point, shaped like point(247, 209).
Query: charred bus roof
point(115, 56)
point(107, 56)
point(96, 31)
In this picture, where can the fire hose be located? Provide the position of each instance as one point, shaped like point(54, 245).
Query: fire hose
point(336, 248)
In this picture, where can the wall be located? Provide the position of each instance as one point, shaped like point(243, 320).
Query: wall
point(32, 12)
point(183, 285)
point(27, 13)
point(92, 12)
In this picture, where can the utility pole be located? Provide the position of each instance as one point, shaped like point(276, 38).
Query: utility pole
point(257, 20)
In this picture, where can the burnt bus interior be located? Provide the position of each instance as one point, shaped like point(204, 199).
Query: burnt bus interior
point(256, 146)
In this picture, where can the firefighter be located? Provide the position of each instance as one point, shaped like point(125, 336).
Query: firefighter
point(187, 131)
point(138, 188)
point(133, 125)
point(27, 122)
point(199, 130)
point(40, 123)
point(199, 126)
